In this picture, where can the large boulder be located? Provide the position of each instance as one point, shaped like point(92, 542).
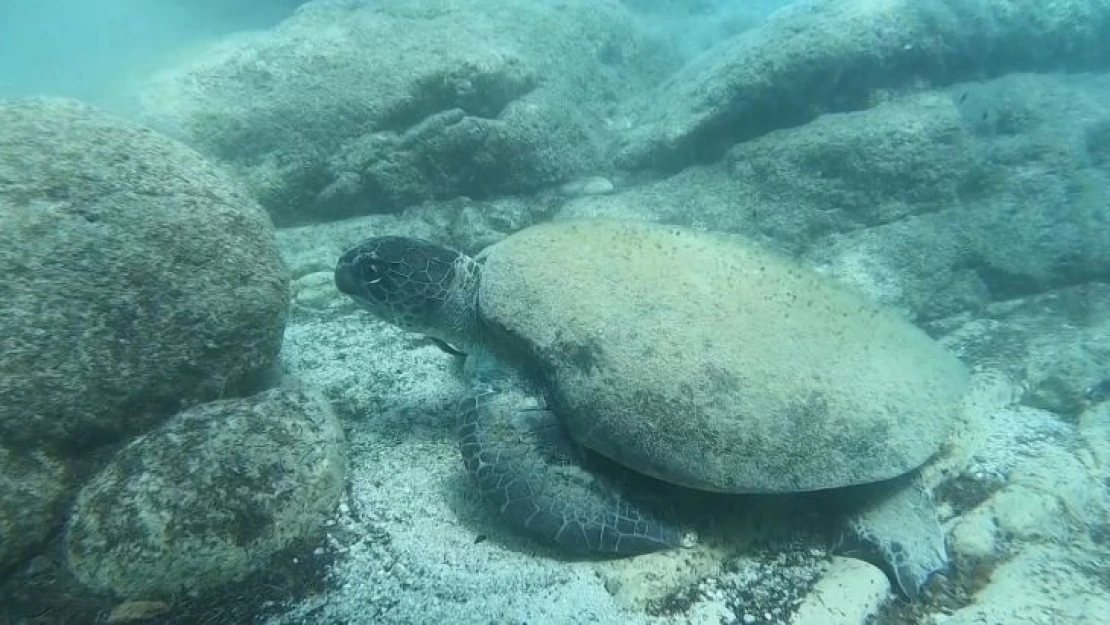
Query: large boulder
point(1027, 214)
point(136, 278)
point(1057, 344)
point(210, 496)
point(351, 108)
point(936, 202)
point(835, 55)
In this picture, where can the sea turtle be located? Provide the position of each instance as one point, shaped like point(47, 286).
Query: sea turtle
point(678, 354)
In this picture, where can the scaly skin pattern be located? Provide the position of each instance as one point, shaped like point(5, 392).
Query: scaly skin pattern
point(415, 285)
point(530, 471)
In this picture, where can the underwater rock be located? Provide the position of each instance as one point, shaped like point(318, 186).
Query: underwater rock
point(209, 496)
point(753, 587)
point(1056, 344)
point(1045, 583)
point(833, 55)
point(1094, 427)
point(850, 592)
point(33, 489)
point(840, 172)
point(348, 108)
point(975, 537)
point(909, 203)
point(136, 277)
point(590, 185)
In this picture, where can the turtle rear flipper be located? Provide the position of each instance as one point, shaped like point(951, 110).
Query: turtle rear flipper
point(900, 522)
point(527, 468)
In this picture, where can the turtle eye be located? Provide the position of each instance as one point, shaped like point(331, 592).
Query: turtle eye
point(372, 271)
point(379, 281)
point(375, 275)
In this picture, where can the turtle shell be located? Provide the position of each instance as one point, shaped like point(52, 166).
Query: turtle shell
point(714, 364)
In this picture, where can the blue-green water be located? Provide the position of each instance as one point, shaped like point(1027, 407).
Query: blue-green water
point(523, 311)
point(88, 50)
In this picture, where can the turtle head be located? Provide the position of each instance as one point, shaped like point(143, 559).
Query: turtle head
point(414, 284)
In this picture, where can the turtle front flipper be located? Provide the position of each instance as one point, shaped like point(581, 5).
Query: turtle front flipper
point(527, 468)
